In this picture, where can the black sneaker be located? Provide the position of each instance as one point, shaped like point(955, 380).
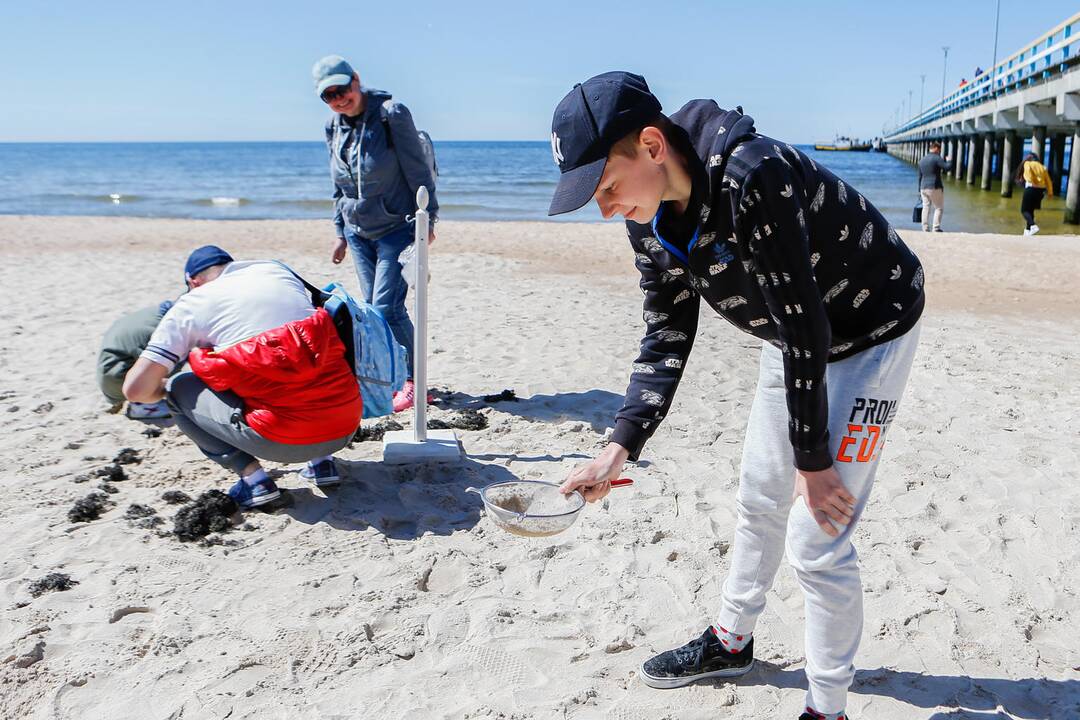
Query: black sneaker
point(697, 660)
point(811, 715)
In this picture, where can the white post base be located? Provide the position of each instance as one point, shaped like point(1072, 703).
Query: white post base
point(401, 448)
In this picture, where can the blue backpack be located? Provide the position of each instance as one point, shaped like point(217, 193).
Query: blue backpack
point(377, 359)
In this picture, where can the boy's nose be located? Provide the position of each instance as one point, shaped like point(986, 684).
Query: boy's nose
point(607, 209)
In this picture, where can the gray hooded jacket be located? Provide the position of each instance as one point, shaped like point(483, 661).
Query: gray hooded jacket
point(374, 184)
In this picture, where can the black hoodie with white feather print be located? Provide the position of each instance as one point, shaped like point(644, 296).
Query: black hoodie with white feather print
point(785, 251)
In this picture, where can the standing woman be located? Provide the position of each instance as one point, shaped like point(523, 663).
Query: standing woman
point(1037, 184)
point(377, 164)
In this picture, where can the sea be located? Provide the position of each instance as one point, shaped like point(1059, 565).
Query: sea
point(482, 181)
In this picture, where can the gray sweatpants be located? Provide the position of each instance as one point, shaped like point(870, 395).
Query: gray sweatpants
point(215, 422)
point(864, 392)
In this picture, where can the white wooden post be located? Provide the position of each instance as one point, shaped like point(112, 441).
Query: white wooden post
point(420, 321)
point(421, 445)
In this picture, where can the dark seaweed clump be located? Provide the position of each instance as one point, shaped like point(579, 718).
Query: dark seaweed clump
point(136, 511)
point(504, 396)
point(127, 456)
point(465, 419)
point(90, 507)
point(175, 497)
point(211, 512)
point(152, 432)
point(111, 473)
point(106, 487)
point(143, 516)
point(376, 431)
point(53, 582)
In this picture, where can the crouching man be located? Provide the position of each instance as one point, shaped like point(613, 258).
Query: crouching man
point(269, 379)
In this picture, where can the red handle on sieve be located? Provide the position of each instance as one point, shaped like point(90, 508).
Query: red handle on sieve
point(621, 482)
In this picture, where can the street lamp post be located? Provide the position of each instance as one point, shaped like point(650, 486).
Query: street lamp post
point(944, 68)
point(993, 66)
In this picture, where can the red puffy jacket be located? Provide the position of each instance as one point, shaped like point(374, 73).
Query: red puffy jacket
point(296, 386)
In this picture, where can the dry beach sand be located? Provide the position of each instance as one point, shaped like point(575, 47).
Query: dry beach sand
point(392, 596)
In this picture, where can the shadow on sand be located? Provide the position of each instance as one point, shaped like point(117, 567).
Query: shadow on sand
point(968, 698)
point(595, 407)
point(408, 501)
point(402, 502)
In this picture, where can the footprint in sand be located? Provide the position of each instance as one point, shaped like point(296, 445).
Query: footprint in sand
point(446, 577)
point(500, 666)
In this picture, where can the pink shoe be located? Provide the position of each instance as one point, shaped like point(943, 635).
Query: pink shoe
point(406, 397)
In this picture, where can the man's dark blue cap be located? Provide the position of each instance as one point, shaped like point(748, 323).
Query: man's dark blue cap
point(204, 257)
point(594, 116)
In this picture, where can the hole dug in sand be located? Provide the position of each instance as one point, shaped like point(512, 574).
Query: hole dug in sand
point(121, 613)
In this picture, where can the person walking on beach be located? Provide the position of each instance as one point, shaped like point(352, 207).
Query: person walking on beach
point(269, 378)
point(787, 252)
point(377, 162)
point(931, 188)
point(1037, 185)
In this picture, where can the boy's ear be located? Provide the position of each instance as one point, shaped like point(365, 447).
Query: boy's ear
point(654, 142)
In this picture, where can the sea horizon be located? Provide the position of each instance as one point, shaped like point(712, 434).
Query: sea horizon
point(479, 180)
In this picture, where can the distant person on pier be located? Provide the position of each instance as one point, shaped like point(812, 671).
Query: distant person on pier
point(378, 161)
point(1037, 185)
point(930, 186)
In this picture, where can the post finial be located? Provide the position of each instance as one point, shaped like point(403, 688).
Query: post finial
point(422, 198)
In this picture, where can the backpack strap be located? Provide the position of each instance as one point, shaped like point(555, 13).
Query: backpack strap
point(384, 117)
point(318, 297)
point(338, 311)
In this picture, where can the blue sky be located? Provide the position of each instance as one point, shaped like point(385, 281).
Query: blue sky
point(144, 71)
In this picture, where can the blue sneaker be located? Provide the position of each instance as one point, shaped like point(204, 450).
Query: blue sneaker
point(252, 496)
point(323, 473)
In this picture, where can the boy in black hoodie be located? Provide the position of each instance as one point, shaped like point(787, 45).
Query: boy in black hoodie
point(787, 252)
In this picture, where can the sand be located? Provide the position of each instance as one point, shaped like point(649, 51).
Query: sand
point(392, 596)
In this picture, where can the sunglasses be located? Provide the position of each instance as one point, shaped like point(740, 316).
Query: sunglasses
point(332, 94)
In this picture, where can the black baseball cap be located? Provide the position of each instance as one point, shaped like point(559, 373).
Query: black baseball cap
point(594, 116)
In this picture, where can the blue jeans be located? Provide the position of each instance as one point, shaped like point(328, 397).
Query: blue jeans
point(381, 282)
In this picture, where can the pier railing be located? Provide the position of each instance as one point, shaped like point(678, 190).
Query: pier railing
point(1051, 54)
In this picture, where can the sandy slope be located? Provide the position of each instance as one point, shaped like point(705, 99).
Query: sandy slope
point(394, 597)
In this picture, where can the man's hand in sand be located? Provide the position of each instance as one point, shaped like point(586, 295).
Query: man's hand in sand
point(431, 235)
point(593, 479)
point(337, 253)
point(825, 497)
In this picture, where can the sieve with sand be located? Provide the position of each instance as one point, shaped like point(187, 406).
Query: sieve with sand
point(532, 508)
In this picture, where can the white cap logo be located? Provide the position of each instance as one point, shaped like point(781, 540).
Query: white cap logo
point(556, 149)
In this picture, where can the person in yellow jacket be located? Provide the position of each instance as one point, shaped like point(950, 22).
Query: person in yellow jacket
point(1037, 185)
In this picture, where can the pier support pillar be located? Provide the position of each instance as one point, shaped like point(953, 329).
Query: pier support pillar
point(1038, 143)
point(1072, 195)
point(1057, 160)
point(958, 167)
point(987, 160)
point(973, 159)
point(1008, 151)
